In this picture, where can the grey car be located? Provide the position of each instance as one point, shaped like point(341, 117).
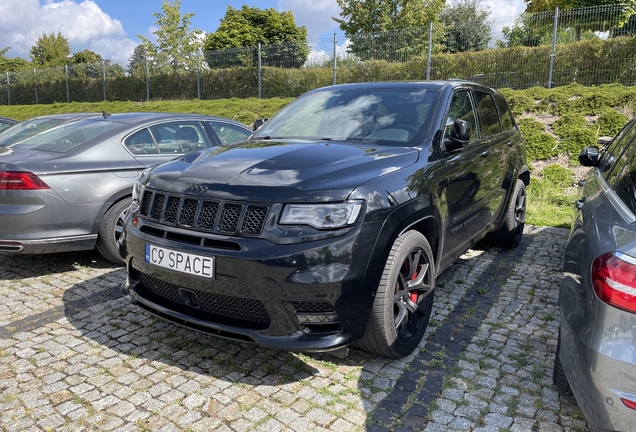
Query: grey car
point(68, 188)
point(596, 349)
point(19, 131)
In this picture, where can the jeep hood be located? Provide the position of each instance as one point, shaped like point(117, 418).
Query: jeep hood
point(281, 171)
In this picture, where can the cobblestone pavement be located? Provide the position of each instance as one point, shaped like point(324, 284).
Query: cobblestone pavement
point(76, 356)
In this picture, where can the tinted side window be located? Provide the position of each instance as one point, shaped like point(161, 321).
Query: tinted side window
point(461, 108)
point(615, 150)
point(229, 134)
point(625, 181)
point(507, 123)
point(488, 117)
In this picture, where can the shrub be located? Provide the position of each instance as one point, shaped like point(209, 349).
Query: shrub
point(611, 122)
point(541, 146)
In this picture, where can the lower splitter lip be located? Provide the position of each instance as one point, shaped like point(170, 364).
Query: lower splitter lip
point(297, 341)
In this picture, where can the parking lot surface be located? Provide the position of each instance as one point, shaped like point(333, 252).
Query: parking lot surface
point(74, 355)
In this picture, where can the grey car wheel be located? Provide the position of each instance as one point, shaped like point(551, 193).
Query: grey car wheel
point(111, 231)
point(559, 379)
point(404, 299)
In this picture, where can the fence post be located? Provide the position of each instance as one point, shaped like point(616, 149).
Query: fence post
point(147, 80)
point(68, 98)
point(335, 57)
point(198, 75)
point(430, 43)
point(104, 78)
point(8, 90)
point(260, 82)
point(553, 54)
point(35, 85)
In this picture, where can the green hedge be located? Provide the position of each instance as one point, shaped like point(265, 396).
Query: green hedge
point(589, 62)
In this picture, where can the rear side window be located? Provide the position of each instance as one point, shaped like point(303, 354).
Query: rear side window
point(507, 123)
point(488, 117)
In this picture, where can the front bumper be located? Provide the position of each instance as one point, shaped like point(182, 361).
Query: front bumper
point(312, 296)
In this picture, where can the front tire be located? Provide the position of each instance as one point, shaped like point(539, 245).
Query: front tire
point(111, 229)
point(404, 299)
point(509, 235)
point(559, 379)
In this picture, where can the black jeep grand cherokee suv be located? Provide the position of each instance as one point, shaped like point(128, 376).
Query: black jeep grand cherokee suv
point(329, 225)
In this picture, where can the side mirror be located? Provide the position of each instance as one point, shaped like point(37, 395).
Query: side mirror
point(258, 123)
point(460, 135)
point(589, 156)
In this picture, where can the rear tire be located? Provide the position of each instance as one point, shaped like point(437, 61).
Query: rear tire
point(404, 299)
point(110, 231)
point(509, 235)
point(559, 379)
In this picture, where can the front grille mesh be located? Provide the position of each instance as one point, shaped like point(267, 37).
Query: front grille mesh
point(313, 307)
point(231, 307)
point(204, 214)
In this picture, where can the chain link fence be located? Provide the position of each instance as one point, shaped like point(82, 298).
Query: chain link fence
point(589, 46)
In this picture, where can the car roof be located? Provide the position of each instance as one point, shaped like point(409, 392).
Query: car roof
point(134, 118)
point(438, 84)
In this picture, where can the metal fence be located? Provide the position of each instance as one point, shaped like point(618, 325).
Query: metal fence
point(590, 46)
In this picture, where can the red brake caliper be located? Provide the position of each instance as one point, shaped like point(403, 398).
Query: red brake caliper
point(414, 294)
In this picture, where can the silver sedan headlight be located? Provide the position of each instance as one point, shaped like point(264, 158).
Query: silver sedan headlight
point(321, 216)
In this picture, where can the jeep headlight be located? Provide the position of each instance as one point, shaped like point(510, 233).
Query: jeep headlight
point(321, 216)
point(136, 195)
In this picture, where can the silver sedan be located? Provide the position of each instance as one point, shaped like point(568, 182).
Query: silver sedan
point(68, 188)
point(596, 350)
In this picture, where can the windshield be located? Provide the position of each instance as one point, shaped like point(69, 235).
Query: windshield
point(389, 116)
point(66, 137)
point(25, 129)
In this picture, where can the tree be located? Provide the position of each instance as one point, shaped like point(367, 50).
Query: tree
point(467, 27)
point(404, 22)
point(604, 16)
point(11, 64)
point(137, 61)
point(284, 43)
point(50, 50)
point(86, 57)
point(176, 46)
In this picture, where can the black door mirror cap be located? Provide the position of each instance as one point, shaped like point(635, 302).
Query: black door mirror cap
point(589, 156)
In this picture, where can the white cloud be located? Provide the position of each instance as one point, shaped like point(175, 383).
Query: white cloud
point(505, 8)
point(83, 23)
point(315, 15)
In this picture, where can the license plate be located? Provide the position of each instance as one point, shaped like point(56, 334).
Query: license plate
point(197, 265)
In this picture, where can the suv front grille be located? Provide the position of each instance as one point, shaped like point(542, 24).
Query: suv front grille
point(243, 309)
point(204, 214)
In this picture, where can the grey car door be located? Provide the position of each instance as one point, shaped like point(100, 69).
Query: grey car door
point(164, 141)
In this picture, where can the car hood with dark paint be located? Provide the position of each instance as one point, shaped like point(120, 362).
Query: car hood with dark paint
point(281, 171)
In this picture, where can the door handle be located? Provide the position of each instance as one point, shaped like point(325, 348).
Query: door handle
point(485, 153)
point(579, 204)
point(510, 143)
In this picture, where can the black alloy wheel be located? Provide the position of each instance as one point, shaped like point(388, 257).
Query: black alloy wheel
point(404, 298)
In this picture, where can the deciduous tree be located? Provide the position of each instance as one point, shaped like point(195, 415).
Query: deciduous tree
point(366, 22)
point(607, 15)
point(177, 46)
point(467, 27)
point(284, 43)
point(50, 50)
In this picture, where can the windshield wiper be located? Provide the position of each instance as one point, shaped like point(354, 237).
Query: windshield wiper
point(326, 139)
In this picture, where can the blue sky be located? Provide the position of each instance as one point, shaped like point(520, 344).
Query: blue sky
point(110, 27)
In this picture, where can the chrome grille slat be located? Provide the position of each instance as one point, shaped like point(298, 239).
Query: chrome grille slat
point(197, 213)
